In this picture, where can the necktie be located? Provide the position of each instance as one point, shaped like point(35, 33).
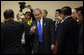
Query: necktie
point(40, 32)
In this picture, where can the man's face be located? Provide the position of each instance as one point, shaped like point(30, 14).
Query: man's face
point(75, 14)
point(57, 14)
point(62, 16)
point(28, 16)
point(80, 16)
point(44, 14)
point(37, 15)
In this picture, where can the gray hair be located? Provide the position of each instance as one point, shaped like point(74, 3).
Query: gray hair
point(37, 9)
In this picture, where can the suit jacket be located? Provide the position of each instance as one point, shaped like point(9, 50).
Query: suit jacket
point(47, 34)
point(11, 34)
point(55, 30)
point(67, 37)
point(28, 38)
point(80, 48)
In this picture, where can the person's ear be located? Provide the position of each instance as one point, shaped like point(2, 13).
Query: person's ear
point(65, 15)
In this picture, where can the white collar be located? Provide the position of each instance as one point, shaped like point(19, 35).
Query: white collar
point(65, 18)
point(41, 20)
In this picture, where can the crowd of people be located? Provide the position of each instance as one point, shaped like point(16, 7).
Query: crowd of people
point(35, 33)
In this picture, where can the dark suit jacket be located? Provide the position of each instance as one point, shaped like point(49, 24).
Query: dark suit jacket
point(48, 37)
point(67, 37)
point(55, 30)
point(28, 38)
point(80, 48)
point(11, 34)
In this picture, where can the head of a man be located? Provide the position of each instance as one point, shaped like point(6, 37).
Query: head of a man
point(66, 11)
point(57, 12)
point(44, 13)
point(8, 14)
point(80, 13)
point(75, 14)
point(37, 14)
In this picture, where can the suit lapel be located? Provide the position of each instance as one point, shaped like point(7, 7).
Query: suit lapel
point(36, 27)
point(43, 26)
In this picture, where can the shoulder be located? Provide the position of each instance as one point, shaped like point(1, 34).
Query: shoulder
point(33, 22)
point(70, 19)
point(12, 23)
point(15, 23)
point(2, 25)
point(47, 19)
point(70, 22)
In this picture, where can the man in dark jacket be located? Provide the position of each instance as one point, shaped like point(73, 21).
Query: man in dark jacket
point(67, 36)
point(80, 14)
point(11, 34)
point(42, 31)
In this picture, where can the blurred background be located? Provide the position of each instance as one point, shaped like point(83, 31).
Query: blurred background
point(50, 6)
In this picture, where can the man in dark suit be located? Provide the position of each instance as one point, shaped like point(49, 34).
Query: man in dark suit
point(67, 36)
point(11, 33)
point(42, 31)
point(56, 22)
point(80, 14)
point(75, 14)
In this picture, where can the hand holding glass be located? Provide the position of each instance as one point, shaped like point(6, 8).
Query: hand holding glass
point(33, 28)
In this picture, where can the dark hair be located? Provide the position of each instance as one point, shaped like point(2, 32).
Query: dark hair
point(66, 10)
point(80, 9)
point(8, 14)
point(59, 10)
point(27, 12)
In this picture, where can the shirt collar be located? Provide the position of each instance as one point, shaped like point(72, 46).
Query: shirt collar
point(66, 18)
point(41, 19)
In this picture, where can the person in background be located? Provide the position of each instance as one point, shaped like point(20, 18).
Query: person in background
point(58, 15)
point(67, 35)
point(42, 31)
point(29, 17)
point(11, 32)
point(80, 14)
point(19, 18)
point(75, 14)
point(44, 13)
point(26, 38)
point(57, 22)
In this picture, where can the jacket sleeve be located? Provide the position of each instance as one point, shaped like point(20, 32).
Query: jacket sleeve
point(52, 31)
point(2, 39)
point(62, 30)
